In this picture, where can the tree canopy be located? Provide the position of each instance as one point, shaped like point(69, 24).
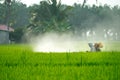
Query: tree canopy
point(51, 15)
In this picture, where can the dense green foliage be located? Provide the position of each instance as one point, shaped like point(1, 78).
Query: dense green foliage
point(50, 16)
point(19, 62)
point(18, 15)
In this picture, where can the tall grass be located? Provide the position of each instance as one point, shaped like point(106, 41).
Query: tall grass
point(19, 62)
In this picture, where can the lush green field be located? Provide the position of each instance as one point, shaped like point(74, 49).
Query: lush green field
point(19, 62)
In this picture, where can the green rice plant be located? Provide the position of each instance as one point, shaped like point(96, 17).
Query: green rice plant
point(19, 62)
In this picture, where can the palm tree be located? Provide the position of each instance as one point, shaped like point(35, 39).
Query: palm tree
point(85, 1)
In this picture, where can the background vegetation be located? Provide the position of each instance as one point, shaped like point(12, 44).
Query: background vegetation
point(48, 16)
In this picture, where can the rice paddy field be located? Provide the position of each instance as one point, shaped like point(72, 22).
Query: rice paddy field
point(19, 62)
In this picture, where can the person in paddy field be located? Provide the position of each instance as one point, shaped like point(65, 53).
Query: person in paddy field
point(95, 47)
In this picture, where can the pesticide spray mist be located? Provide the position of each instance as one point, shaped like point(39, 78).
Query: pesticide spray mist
point(54, 42)
point(67, 42)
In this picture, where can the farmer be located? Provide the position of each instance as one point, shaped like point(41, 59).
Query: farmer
point(92, 48)
point(95, 47)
